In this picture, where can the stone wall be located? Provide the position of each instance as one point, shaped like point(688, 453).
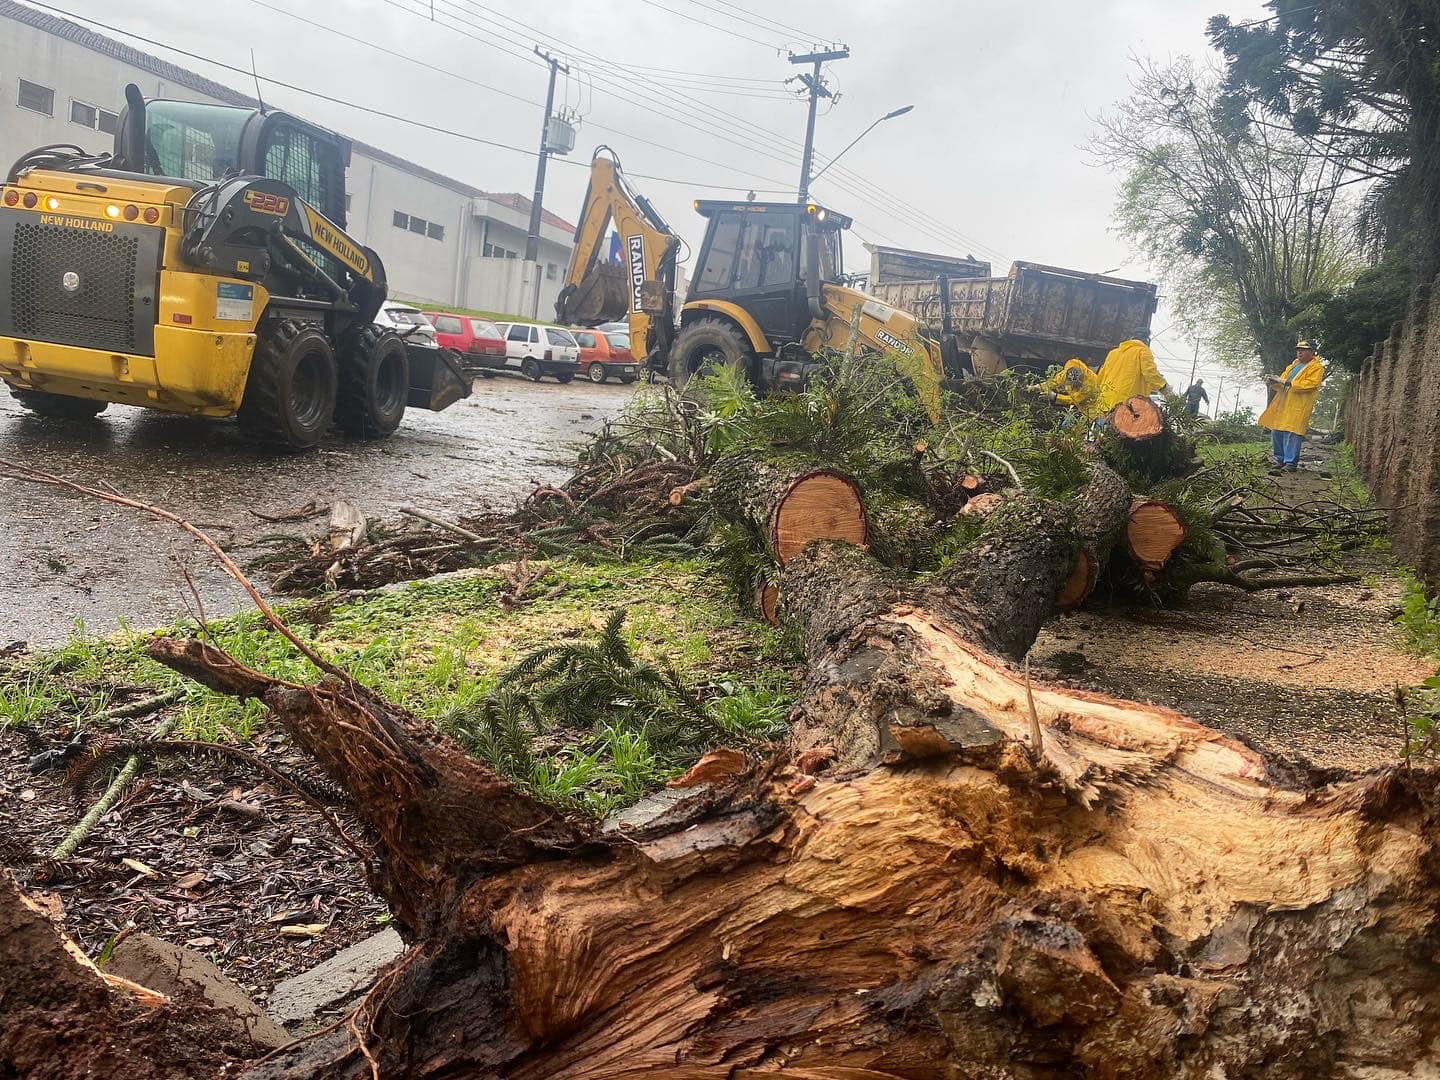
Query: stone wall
point(1393, 421)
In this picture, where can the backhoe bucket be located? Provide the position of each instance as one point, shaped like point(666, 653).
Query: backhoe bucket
point(601, 296)
point(437, 378)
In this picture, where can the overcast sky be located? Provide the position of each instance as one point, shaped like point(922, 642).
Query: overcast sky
point(991, 162)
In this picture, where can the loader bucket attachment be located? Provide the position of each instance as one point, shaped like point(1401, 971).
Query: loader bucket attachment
point(601, 296)
point(437, 378)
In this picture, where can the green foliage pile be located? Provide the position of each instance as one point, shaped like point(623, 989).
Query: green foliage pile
point(622, 724)
point(1237, 425)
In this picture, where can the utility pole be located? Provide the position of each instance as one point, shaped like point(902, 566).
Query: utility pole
point(817, 89)
point(1219, 402)
point(1194, 364)
point(532, 238)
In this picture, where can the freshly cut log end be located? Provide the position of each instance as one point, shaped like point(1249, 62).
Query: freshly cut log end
point(767, 601)
point(1137, 419)
point(791, 502)
point(1081, 582)
point(819, 506)
point(1154, 533)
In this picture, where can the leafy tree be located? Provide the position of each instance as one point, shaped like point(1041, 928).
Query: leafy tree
point(1347, 324)
point(1358, 81)
point(1245, 225)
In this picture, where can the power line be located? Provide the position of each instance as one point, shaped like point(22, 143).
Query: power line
point(844, 179)
point(321, 95)
point(741, 18)
point(714, 26)
point(801, 35)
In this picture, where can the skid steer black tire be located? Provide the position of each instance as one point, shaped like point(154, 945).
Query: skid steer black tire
point(290, 394)
point(704, 345)
point(57, 406)
point(374, 384)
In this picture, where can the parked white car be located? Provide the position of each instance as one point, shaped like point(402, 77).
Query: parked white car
point(408, 322)
point(536, 350)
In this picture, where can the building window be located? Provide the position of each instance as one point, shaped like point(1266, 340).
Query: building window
point(347, 202)
point(552, 271)
point(495, 251)
point(37, 98)
point(415, 224)
point(93, 117)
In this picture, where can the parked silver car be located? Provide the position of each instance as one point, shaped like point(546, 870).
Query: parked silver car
point(407, 321)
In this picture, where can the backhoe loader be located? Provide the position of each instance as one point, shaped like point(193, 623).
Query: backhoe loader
point(203, 268)
point(765, 293)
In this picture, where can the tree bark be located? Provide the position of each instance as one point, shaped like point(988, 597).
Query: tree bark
point(1136, 897)
point(789, 502)
point(1101, 513)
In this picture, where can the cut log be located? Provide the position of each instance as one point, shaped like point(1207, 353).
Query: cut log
point(1101, 513)
point(791, 503)
point(767, 600)
point(1154, 533)
point(1137, 419)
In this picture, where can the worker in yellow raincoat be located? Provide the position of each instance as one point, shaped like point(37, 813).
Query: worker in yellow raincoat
point(1077, 386)
point(1288, 414)
point(1129, 371)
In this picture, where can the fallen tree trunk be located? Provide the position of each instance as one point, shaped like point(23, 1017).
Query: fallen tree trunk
point(1102, 510)
point(1133, 897)
point(1137, 419)
point(789, 502)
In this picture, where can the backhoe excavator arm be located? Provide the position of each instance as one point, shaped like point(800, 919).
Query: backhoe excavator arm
point(642, 287)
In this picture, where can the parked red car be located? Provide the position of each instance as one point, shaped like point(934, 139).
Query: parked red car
point(604, 353)
point(479, 338)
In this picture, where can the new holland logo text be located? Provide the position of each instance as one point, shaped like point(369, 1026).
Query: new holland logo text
point(893, 342)
point(635, 249)
point(337, 243)
point(76, 223)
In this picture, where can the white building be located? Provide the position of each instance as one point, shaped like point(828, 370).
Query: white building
point(441, 240)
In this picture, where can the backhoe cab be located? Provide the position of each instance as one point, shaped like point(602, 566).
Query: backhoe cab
point(203, 268)
point(766, 293)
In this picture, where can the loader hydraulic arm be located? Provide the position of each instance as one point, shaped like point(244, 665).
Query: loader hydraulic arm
point(642, 287)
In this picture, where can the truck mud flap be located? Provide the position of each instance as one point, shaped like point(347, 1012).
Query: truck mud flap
point(437, 379)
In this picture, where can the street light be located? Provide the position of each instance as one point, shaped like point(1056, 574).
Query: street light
point(891, 115)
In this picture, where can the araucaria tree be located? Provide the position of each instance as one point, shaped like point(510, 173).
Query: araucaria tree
point(1245, 223)
point(1360, 78)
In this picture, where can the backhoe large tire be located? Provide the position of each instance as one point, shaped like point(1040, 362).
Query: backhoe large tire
point(57, 406)
point(704, 345)
point(290, 394)
point(374, 384)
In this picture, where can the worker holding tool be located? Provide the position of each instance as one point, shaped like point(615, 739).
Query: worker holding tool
point(1129, 371)
point(1077, 386)
point(1287, 416)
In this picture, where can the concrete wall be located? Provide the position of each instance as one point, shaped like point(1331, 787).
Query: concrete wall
point(1392, 420)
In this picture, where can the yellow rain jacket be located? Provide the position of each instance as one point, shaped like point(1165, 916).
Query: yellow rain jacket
point(1129, 371)
point(1290, 408)
point(1085, 399)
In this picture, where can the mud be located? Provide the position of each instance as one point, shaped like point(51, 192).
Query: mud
point(64, 560)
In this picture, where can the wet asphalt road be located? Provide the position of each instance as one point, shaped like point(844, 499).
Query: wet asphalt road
point(65, 559)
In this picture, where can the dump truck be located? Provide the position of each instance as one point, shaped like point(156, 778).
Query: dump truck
point(1035, 317)
point(766, 293)
point(203, 268)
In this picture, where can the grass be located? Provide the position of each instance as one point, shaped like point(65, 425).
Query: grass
point(438, 647)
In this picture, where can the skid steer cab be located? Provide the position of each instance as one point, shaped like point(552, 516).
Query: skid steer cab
point(203, 268)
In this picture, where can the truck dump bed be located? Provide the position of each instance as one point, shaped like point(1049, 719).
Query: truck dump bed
point(1042, 314)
